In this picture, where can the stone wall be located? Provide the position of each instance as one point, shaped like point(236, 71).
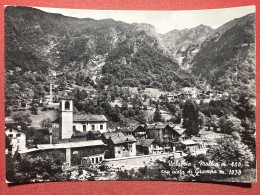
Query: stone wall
point(133, 162)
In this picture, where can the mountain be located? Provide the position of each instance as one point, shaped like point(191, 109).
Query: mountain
point(184, 44)
point(104, 51)
point(109, 52)
point(226, 59)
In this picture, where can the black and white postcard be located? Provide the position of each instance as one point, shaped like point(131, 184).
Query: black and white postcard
point(130, 95)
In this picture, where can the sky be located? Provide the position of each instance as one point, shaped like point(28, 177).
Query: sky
point(163, 21)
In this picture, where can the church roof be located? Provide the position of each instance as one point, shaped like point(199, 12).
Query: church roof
point(85, 117)
point(89, 117)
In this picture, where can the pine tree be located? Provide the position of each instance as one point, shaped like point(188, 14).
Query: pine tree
point(190, 115)
point(157, 117)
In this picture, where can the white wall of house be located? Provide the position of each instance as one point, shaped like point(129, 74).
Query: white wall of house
point(155, 149)
point(120, 151)
point(90, 126)
point(17, 138)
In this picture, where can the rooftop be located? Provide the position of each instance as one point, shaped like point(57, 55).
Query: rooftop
point(85, 117)
point(89, 117)
point(67, 98)
point(119, 137)
point(16, 129)
point(179, 130)
point(189, 142)
point(125, 129)
point(145, 142)
point(156, 126)
point(71, 145)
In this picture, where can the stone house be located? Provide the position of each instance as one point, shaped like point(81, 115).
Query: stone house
point(119, 145)
point(148, 147)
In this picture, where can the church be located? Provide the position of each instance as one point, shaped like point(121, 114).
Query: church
point(69, 123)
point(62, 139)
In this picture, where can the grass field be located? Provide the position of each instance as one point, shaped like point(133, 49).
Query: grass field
point(149, 91)
point(36, 119)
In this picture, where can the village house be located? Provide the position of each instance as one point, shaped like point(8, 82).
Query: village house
point(119, 145)
point(168, 135)
point(17, 139)
point(192, 147)
point(178, 135)
point(139, 132)
point(161, 135)
point(148, 147)
point(170, 97)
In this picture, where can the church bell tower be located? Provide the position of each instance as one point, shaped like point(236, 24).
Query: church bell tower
point(66, 118)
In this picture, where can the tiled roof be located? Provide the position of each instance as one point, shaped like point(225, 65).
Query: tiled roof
point(89, 117)
point(156, 126)
point(145, 142)
point(85, 117)
point(119, 137)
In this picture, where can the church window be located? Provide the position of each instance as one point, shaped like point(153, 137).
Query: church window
point(93, 127)
point(67, 105)
point(101, 127)
point(84, 128)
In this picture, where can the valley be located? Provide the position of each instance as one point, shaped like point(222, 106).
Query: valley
point(190, 90)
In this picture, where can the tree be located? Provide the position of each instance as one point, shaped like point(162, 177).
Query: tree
point(229, 150)
point(190, 116)
point(46, 123)
point(93, 135)
point(230, 125)
point(43, 167)
point(157, 117)
point(40, 138)
point(142, 117)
